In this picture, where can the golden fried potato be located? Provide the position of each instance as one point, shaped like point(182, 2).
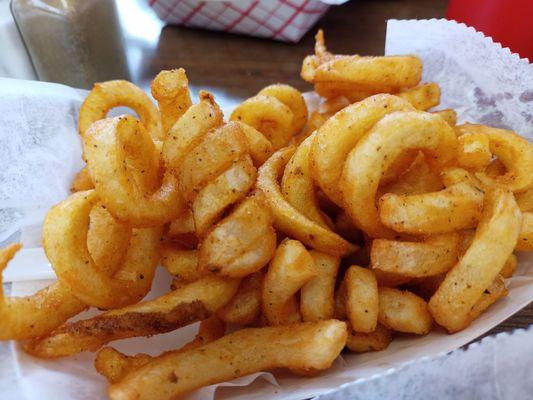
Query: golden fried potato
point(495, 239)
point(107, 95)
point(244, 308)
point(525, 200)
point(377, 340)
point(456, 207)
point(331, 106)
point(189, 304)
point(182, 225)
point(525, 237)
point(242, 243)
point(316, 120)
point(371, 74)
point(493, 293)
point(509, 267)
point(453, 175)
point(321, 55)
point(226, 189)
point(474, 150)
point(171, 90)
point(515, 152)
point(449, 115)
point(290, 269)
point(82, 181)
point(422, 97)
point(287, 219)
point(259, 146)
point(372, 155)
point(38, 314)
point(293, 99)
point(435, 255)
point(182, 264)
point(199, 119)
point(403, 311)
point(27, 317)
point(199, 168)
point(65, 242)
point(391, 279)
point(317, 295)
point(333, 90)
point(114, 365)
point(358, 77)
point(124, 165)
point(298, 187)
point(362, 303)
point(305, 346)
point(107, 240)
point(269, 116)
point(339, 134)
point(417, 179)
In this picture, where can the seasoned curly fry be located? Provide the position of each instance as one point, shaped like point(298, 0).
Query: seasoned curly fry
point(131, 190)
point(115, 366)
point(244, 308)
point(38, 314)
point(298, 187)
point(82, 181)
point(515, 152)
point(171, 90)
point(107, 95)
point(65, 242)
point(361, 299)
point(305, 346)
point(493, 243)
point(181, 307)
point(384, 142)
point(290, 269)
point(435, 255)
point(377, 340)
point(317, 297)
point(338, 136)
point(358, 77)
point(422, 97)
point(287, 218)
point(277, 113)
point(456, 207)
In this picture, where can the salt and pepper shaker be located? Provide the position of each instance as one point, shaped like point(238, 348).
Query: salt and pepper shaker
point(74, 42)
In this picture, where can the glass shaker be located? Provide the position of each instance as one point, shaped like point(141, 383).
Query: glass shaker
point(74, 42)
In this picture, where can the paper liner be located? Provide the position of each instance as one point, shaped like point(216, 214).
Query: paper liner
point(497, 367)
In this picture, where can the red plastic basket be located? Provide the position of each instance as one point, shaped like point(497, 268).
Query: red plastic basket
point(285, 20)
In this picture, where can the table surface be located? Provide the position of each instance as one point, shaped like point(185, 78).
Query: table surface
point(236, 67)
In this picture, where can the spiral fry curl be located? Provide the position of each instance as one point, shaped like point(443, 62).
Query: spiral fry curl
point(114, 250)
point(271, 119)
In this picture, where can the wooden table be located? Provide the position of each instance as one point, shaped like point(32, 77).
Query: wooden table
point(240, 66)
point(237, 67)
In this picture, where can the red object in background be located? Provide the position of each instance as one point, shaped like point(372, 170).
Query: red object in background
point(509, 22)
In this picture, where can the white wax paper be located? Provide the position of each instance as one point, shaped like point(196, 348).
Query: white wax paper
point(39, 150)
point(482, 81)
point(496, 368)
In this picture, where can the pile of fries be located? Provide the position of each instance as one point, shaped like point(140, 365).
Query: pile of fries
point(307, 234)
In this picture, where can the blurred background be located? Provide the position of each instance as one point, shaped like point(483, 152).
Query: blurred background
point(79, 42)
point(233, 66)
